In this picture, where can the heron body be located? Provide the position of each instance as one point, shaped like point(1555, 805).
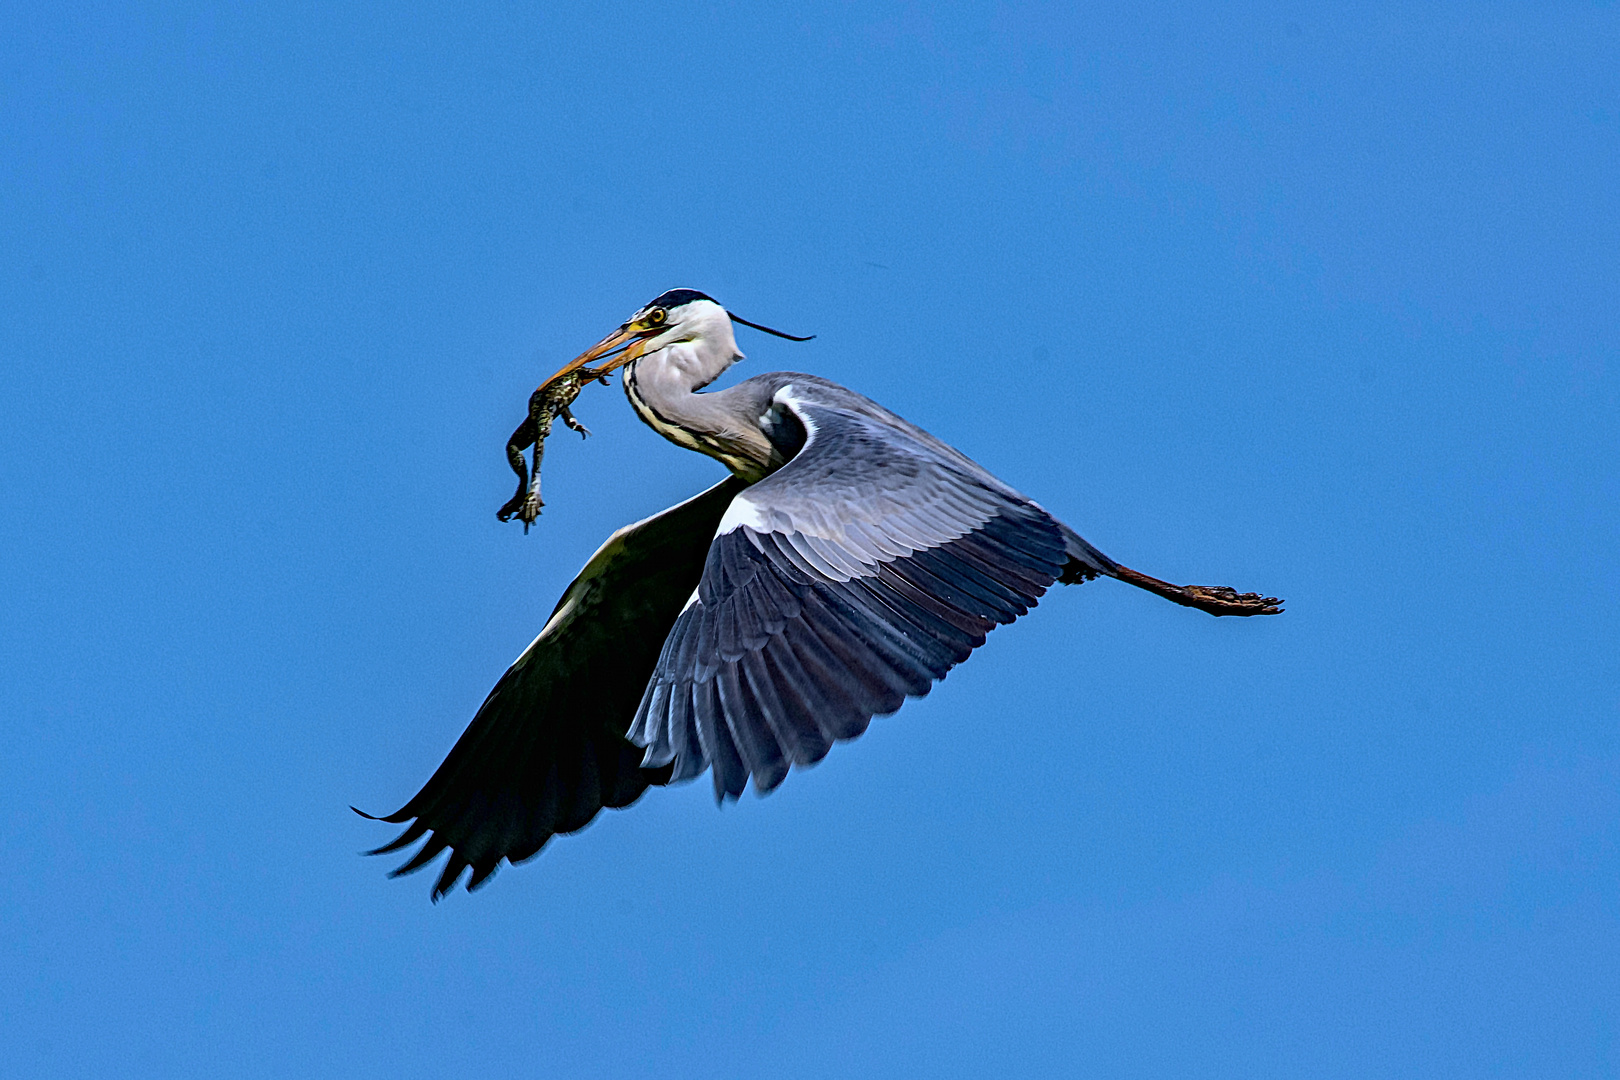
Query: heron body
point(849, 562)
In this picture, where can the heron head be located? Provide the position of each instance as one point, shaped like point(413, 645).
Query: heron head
point(683, 317)
point(679, 317)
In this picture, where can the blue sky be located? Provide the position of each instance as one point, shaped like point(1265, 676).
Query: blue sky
point(1318, 300)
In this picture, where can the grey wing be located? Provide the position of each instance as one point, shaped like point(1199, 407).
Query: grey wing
point(547, 749)
point(851, 578)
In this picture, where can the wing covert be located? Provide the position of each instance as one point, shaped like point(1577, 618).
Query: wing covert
point(851, 578)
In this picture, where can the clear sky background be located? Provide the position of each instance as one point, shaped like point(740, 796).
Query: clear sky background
point(1323, 301)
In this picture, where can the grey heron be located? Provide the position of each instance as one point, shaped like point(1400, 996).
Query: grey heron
point(848, 561)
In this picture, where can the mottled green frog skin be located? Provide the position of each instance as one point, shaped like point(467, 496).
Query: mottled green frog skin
point(545, 405)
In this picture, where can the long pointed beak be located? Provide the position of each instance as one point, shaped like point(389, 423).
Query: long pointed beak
point(637, 345)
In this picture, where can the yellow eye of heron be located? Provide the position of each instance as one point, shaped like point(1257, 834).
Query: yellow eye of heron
point(656, 317)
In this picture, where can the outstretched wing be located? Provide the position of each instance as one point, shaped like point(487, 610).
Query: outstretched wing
point(851, 578)
point(547, 750)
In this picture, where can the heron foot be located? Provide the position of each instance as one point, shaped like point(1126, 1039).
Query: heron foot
point(1215, 599)
point(1225, 600)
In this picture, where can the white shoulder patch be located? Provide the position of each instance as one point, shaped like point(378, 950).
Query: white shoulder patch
point(741, 512)
point(786, 396)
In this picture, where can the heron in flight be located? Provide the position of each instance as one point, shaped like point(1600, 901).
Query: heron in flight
point(848, 562)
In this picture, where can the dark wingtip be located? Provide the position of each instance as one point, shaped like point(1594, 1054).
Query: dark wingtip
point(453, 869)
point(398, 817)
point(482, 872)
point(412, 834)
